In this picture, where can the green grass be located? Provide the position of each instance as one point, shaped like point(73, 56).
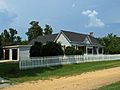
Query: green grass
point(11, 71)
point(114, 86)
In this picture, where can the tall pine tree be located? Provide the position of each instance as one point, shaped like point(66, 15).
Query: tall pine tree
point(48, 30)
point(34, 31)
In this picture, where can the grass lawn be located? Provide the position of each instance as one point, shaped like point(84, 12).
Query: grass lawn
point(114, 86)
point(11, 71)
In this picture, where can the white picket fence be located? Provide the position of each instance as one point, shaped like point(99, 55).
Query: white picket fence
point(27, 63)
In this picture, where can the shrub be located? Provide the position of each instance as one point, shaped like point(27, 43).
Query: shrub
point(36, 50)
point(69, 50)
point(78, 52)
point(72, 51)
point(52, 49)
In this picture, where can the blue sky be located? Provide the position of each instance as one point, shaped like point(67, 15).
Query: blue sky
point(84, 16)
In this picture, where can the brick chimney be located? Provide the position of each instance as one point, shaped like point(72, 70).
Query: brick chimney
point(91, 34)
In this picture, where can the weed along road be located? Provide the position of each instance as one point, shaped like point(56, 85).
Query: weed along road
point(86, 81)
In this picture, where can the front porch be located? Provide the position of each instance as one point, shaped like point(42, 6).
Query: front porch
point(89, 49)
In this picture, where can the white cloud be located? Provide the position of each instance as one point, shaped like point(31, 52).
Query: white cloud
point(6, 18)
point(73, 5)
point(94, 21)
point(3, 4)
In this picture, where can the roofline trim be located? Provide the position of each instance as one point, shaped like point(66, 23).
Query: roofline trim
point(17, 46)
point(89, 39)
point(61, 32)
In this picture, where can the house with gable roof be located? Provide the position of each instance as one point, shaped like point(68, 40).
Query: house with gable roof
point(86, 42)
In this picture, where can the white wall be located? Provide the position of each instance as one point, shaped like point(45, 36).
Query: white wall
point(86, 40)
point(24, 53)
point(63, 40)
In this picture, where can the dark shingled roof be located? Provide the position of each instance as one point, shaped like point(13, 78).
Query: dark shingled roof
point(75, 37)
point(93, 40)
point(78, 38)
point(44, 39)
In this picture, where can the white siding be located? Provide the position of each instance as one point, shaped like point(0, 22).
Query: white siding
point(86, 40)
point(24, 52)
point(63, 40)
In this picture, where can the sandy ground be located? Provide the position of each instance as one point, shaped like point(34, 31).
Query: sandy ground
point(87, 81)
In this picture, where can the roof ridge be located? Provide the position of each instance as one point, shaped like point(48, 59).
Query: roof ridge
point(73, 32)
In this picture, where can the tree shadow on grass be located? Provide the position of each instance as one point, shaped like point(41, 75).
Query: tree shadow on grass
point(11, 70)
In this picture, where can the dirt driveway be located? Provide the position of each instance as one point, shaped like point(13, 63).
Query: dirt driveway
point(87, 81)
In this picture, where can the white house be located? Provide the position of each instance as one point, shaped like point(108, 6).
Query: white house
point(86, 42)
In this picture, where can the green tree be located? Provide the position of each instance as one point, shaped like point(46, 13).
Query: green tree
point(111, 44)
point(18, 40)
point(12, 33)
point(48, 30)
point(34, 31)
point(52, 49)
point(24, 42)
point(9, 37)
point(5, 37)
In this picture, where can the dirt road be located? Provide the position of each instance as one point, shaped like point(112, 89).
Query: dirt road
point(87, 81)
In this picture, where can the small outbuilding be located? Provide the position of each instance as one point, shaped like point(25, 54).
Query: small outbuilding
point(16, 52)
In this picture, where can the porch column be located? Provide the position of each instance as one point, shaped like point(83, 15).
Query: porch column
point(102, 50)
point(10, 54)
point(3, 54)
point(76, 47)
point(18, 54)
point(86, 50)
point(97, 50)
point(92, 51)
